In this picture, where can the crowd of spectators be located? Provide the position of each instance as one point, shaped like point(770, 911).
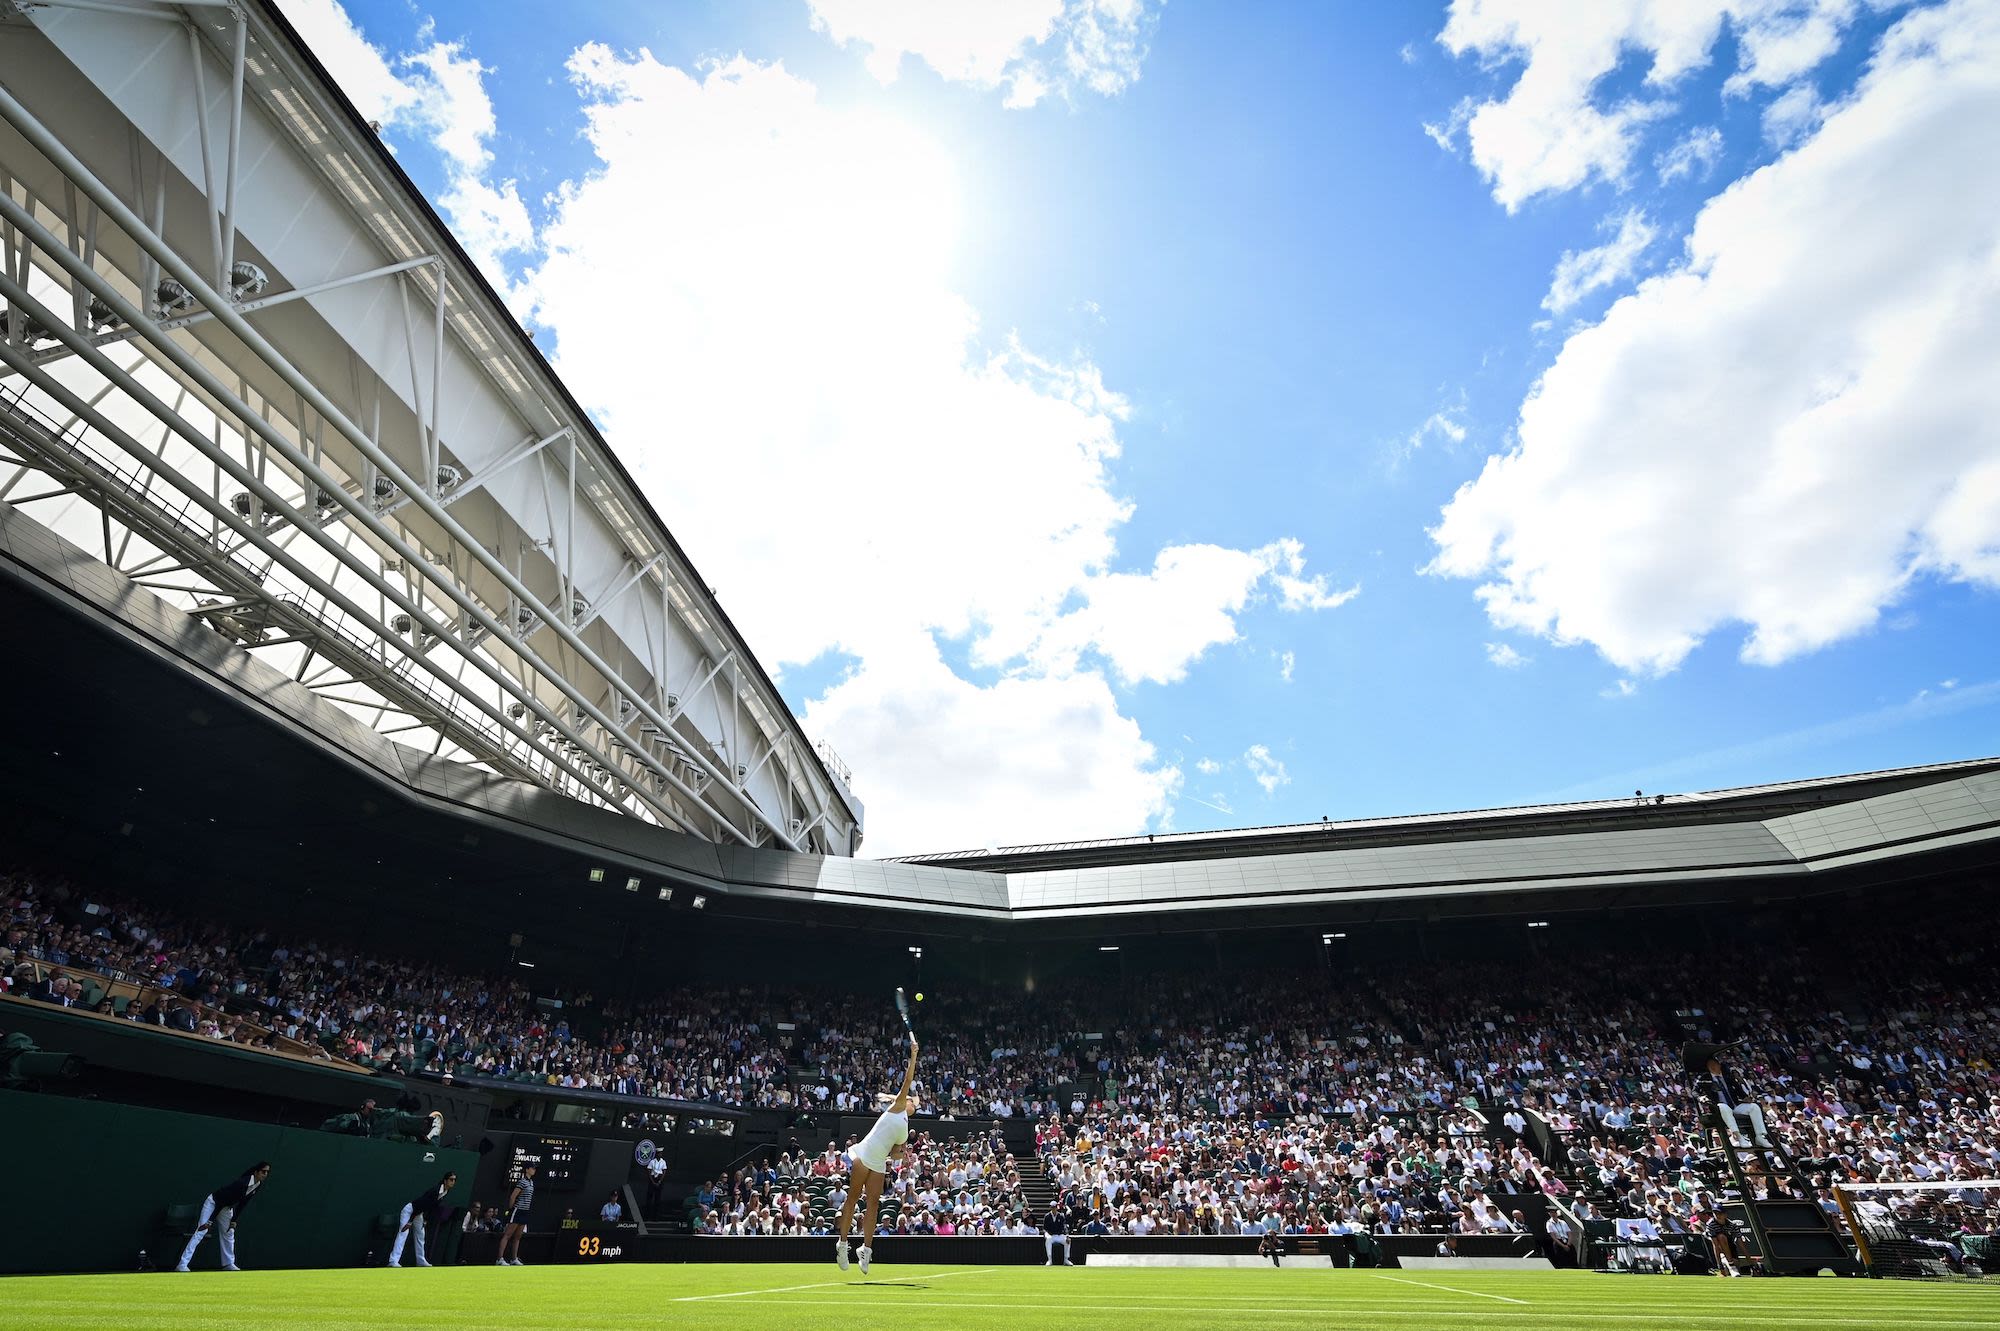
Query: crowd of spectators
point(1182, 1102)
point(1368, 1173)
point(964, 1185)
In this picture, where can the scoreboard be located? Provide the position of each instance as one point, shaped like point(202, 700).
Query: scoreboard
point(559, 1162)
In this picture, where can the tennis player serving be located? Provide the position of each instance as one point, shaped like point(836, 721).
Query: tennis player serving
point(870, 1168)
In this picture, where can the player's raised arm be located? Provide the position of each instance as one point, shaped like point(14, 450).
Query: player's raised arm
point(902, 1105)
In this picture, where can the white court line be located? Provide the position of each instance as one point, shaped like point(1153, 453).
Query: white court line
point(1620, 1317)
point(1405, 1280)
point(820, 1284)
point(746, 1293)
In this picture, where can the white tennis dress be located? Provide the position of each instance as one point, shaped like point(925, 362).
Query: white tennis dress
point(890, 1131)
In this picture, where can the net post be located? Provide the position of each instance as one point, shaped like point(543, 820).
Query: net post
point(1854, 1228)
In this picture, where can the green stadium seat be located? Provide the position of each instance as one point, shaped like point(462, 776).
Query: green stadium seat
point(181, 1220)
point(93, 992)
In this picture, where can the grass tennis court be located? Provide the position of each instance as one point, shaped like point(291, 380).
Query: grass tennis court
point(951, 1298)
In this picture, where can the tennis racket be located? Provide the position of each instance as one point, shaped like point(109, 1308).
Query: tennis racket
point(903, 1009)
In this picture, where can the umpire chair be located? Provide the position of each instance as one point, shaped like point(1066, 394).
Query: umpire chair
point(1789, 1234)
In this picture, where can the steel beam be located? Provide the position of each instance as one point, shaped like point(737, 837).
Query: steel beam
point(157, 252)
point(311, 474)
point(248, 529)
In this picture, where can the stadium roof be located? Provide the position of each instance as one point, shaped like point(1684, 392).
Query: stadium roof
point(1510, 820)
point(295, 352)
point(1775, 842)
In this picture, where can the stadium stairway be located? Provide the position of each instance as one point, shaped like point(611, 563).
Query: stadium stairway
point(1038, 1190)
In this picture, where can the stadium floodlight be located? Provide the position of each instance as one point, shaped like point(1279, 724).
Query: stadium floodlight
point(597, 875)
point(529, 964)
point(1328, 938)
point(916, 952)
point(1108, 947)
point(246, 279)
point(700, 901)
point(171, 298)
point(1538, 924)
point(632, 884)
point(666, 894)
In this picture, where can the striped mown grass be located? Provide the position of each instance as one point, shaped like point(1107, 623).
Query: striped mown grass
point(571, 1298)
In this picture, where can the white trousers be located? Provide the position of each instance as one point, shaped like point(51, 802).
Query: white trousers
point(1753, 1112)
point(223, 1227)
point(1052, 1240)
point(408, 1224)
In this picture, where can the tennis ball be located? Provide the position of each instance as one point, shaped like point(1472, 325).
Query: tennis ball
point(920, 998)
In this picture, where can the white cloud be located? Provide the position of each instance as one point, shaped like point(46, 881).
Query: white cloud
point(1286, 560)
point(1792, 115)
point(1779, 40)
point(488, 218)
point(1504, 656)
point(951, 763)
point(1446, 423)
point(438, 91)
point(1794, 424)
point(858, 467)
point(1030, 47)
point(1153, 626)
point(1694, 154)
point(1444, 133)
point(1580, 272)
point(1268, 771)
point(1623, 688)
point(361, 70)
point(1287, 663)
point(1150, 626)
point(1207, 766)
point(1551, 132)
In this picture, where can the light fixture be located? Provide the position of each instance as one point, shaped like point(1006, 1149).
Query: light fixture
point(632, 884)
point(597, 875)
point(246, 279)
point(1328, 938)
point(666, 894)
point(1538, 924)
point(916, 952)
point(529, 964)
point(1108, 947)
point(700, 901)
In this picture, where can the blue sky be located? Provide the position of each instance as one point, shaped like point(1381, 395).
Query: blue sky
point(1055, 527)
